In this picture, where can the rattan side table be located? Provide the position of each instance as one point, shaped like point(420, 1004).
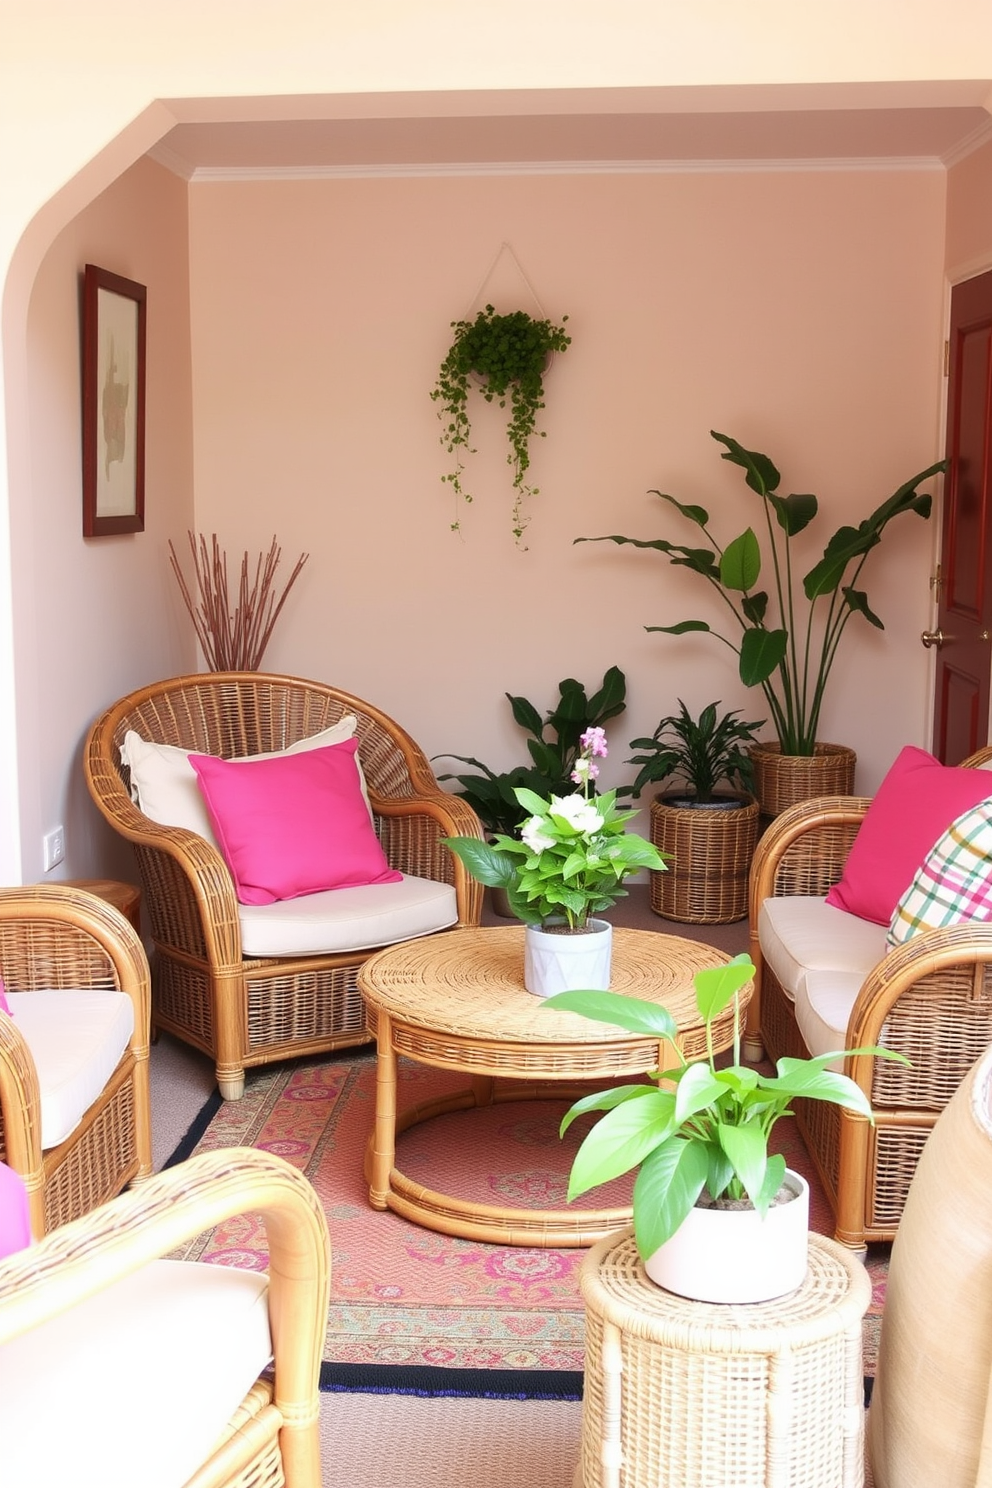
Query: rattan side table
point(682, 1394)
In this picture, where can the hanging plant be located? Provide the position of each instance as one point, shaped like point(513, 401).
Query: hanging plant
point(505, 356)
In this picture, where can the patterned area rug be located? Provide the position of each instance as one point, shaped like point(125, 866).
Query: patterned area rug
point(406, 1296)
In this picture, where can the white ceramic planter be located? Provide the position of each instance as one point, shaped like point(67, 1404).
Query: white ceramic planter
point(567, 963)
point(733, 1255)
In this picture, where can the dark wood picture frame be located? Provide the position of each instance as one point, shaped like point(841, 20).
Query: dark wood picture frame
point(114, 313)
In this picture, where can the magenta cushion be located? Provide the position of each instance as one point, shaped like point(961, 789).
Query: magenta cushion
point(297, 824)
point(15, 1228)
point(4, 1004)
point(915, 804)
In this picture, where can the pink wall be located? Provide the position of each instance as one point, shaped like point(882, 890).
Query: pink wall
point(800, 312)
point(969, 214)
point(96, 617)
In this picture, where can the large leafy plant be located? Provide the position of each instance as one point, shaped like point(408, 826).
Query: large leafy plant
point(553, 745)
point(573, 852)
point(694, 1127)
point(703, 752)
point(786, 640)
point(505, 357)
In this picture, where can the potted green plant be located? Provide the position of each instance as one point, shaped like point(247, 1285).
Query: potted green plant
point(505, 356)
point(699, 1136)
point(707, 835)
point(567, 865)
point(553, 745)
point(786, 640)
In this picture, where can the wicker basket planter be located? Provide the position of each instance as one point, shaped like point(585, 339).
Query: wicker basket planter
point(710, 850)
point(780, 780)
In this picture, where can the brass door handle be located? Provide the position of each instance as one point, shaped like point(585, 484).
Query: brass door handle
point(934, 638)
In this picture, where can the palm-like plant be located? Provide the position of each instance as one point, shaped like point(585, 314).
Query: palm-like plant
point(787, 656)
point(702, 752)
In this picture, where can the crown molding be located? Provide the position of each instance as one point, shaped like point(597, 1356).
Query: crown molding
point(215, 174)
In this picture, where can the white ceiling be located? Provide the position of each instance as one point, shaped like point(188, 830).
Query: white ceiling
point(454, 141)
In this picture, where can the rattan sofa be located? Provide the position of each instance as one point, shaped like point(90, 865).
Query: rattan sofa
point(929, 999)
point(124, 1368)
point(246, 1011)
point(53, 937)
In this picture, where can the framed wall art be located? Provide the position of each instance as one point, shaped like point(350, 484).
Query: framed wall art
point(113, 403)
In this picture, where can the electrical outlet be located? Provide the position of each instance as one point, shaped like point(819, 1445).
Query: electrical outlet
point(53, 846)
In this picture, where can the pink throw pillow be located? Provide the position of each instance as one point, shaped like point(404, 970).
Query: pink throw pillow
point(4, 1004)
point(915, 804)
point(15, 1227)
point(294, 825)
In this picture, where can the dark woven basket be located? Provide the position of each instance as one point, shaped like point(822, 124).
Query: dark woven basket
point(781, 780)
point(710, 854)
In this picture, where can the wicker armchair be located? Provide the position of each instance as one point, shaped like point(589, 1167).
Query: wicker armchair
point(55, 937)
point(930, 999)
point(240, 1010)
point(155, 1371)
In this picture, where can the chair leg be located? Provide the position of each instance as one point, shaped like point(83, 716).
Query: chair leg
point(231, 1083)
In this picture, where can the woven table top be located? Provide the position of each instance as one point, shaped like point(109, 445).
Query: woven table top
point(470, 983)
point(834, 1296)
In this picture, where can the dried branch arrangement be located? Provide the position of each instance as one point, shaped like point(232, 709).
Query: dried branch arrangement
point(232, 642)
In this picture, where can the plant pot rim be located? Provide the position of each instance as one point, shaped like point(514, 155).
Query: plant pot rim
point(725, 801)
point(773, 747)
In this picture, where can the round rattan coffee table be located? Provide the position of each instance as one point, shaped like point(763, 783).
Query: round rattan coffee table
point(457, 1001)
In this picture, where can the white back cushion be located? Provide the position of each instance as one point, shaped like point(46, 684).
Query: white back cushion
point(164, 784)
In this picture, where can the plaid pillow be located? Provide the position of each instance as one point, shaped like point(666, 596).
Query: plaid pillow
point(955, 882)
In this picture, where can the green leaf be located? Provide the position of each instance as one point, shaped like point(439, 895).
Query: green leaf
point(526, 715)
point(747, 1149)
point(697, 514)
point(761, 652)
point(632, 1013)
point(760, 473)
point(532, 803)
point(755, 607)
point(857, 599)
point(698, 1088)
point(683, 627)
point(740, 565)
point(605, 1100)
point(669, 1183)
point(774, 1178)
point(716, 986)
point(610, 699)
point(793, 512)
point(485, 863)
point(619, 1141)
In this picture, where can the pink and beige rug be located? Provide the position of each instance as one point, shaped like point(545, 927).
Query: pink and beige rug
point(406, 1296)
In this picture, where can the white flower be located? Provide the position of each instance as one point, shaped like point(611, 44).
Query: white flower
point(580, 814)
point(532, 836)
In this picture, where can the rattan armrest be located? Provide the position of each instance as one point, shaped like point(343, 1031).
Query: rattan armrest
point(88, 1254)
point(910, 967)
point(420, 850)
point(20, 1107)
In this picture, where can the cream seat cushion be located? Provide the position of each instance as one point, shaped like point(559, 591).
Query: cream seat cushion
point(76, 1039)
point(132, 1388)
point(820, 956)
point(354, 919)
point(799, 933)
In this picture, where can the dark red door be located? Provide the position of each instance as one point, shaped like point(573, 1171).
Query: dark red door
point(964, 610)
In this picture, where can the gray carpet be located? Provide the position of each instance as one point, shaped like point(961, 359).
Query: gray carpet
point(400, 1441)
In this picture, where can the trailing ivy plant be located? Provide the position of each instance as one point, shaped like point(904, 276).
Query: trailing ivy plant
point(506, 356)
